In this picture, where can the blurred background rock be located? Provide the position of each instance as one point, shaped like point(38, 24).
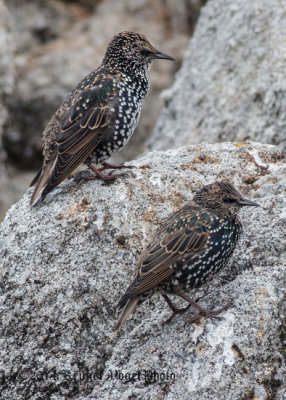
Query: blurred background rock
point(47, 47)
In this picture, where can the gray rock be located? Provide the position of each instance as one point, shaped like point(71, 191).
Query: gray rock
point(232, 85)
point(6, 88)
point(65, 263)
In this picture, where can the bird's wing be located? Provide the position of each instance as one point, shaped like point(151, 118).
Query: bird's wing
point(82, 127)
point(184, 234)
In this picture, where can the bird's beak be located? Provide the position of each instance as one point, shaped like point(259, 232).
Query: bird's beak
point(246, 202)
point(158, 54)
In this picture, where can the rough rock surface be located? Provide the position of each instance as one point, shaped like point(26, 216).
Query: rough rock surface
point(65, 263)
point(6, 88)
point(232, 85)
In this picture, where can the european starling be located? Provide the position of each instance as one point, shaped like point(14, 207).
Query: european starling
point(192, 246)
point(99, 116)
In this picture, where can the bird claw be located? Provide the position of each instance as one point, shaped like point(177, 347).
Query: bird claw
point(107, 178)
point(106, 165)
point(176, 312)
point(204, 312)
point(175, 309)
point(110, 178)
point(170, 319)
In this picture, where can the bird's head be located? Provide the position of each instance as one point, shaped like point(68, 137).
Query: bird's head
point(223, 197)
point(130, 51)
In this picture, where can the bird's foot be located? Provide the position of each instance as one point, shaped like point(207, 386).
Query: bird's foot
point(107, 178)
point(204, 312)
point(175, 309)
point(106, 165)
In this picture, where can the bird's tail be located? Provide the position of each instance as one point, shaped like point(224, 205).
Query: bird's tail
point(40, 180)
point(128, 309)
point(36, 178)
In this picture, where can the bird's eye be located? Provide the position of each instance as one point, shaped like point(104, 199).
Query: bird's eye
point(228, 200)
point(145, 52)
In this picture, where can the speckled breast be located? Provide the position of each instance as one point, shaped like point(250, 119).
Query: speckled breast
point(130, 97)
point(197, 269)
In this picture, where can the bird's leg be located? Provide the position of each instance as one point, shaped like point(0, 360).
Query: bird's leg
point(106, 165)
point(202, 311)
point(99, 175)
point(174, 309)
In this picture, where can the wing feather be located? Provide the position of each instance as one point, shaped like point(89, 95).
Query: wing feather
point(184, 234)
point(81, 128)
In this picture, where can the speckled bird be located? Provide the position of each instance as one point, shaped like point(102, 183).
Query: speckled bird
point(192, 246)
point(99, 116)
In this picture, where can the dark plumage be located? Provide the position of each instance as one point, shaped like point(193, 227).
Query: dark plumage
point(192, 246)
point(99, 116)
